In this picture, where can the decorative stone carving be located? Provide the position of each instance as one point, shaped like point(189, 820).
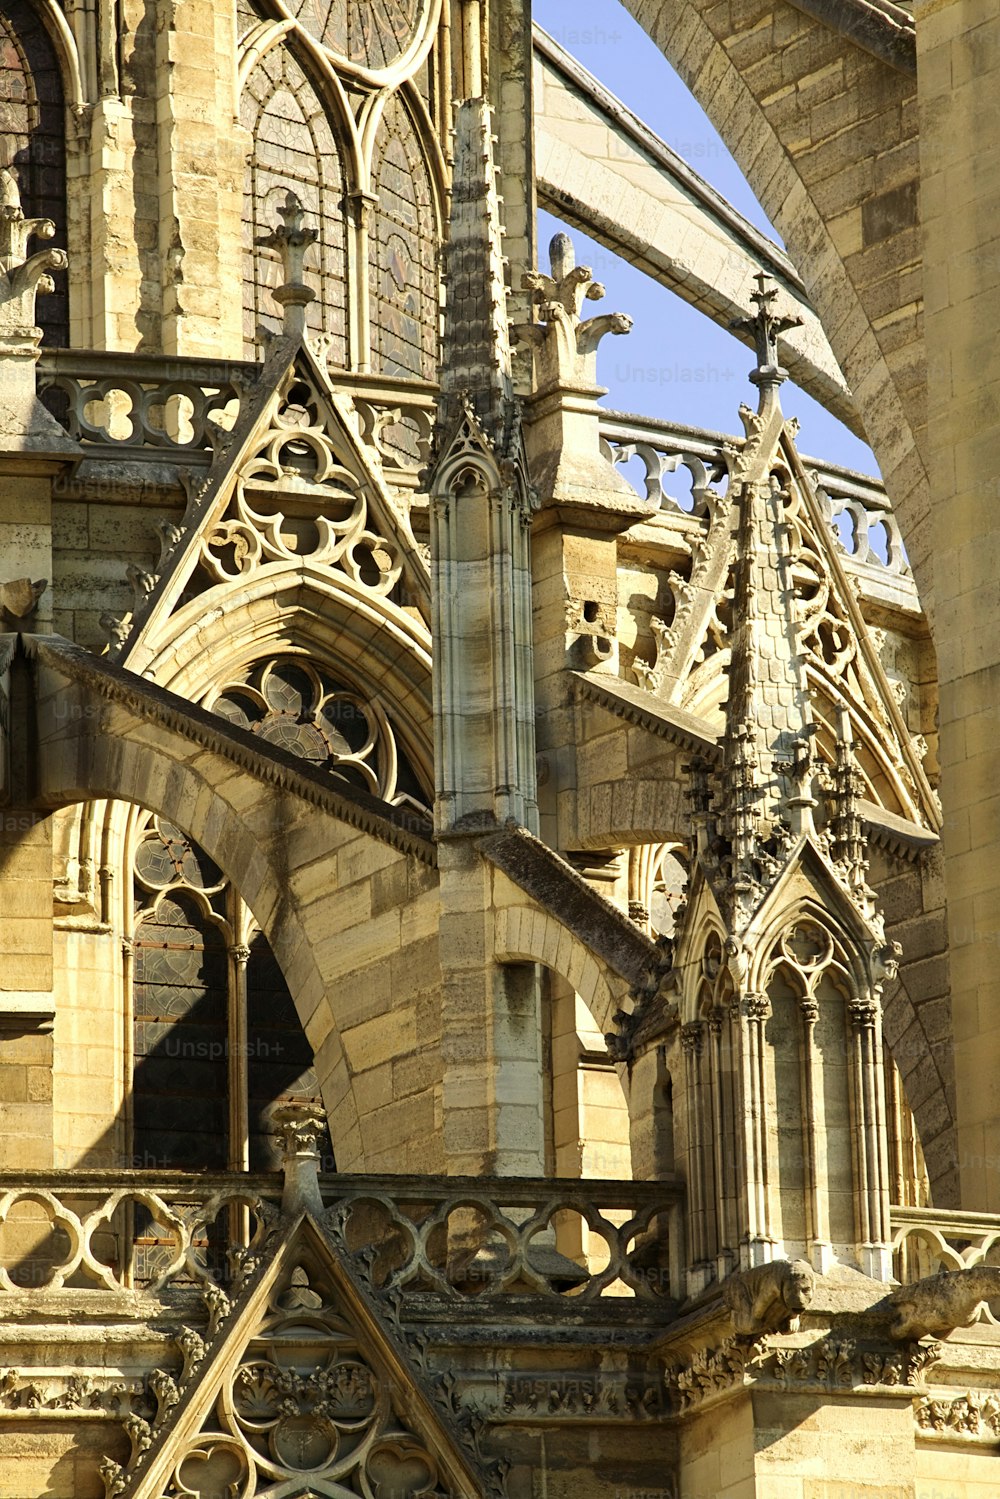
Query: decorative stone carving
point(565, 343)
point(22, 276)
point(299, 1128)
point(291, 239)
point(305, 1391)
point(768, 1297)
point(831, 1363)
point(940, 1303)
point(974, 1414)
point(19, 599)
point(716, 1370)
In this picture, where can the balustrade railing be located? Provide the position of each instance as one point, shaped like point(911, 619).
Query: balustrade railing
point(926, 1240)
point(155, 407)
point(677, 468)
point(148, 406)
point(443, 1237)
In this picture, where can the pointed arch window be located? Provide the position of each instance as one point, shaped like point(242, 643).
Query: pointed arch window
point(32, 141)
point(403, 252)
point(294, 148)
point(216, 1039)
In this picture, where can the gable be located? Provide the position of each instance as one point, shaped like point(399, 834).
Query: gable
point(303, 1391)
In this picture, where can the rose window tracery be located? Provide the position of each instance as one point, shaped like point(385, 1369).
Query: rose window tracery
point(304, 709)
point(372, 33)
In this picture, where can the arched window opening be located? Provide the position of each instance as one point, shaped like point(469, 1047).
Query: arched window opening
point(217, 1041)
point(180, 1084)
point(301, 707)
point(403, 258)
point(32, 141)
point(294, 149)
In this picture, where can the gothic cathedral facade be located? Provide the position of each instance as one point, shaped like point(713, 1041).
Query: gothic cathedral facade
point(497, 895)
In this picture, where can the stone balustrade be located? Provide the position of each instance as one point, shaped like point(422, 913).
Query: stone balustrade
point(454, 1239)
point(681, 467)
point(161, 407)
point(149, 406)
point(927, 1240)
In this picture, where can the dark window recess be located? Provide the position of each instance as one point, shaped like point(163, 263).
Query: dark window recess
point(279, 1057)
point(32, 141)
point(180, 1080)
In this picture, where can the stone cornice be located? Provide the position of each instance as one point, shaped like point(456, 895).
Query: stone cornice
point(897, 834)
point(267, 763)
point(642, 708)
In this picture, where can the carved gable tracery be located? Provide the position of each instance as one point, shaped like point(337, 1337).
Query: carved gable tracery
point(300, 1392)
point(298, 496)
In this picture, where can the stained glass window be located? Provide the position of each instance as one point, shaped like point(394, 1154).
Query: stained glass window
point(300, 707)
point(32, 141)
point(403, 258)
point(370, 32)
point(294, 148)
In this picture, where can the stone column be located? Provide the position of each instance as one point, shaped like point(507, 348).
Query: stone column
point(491, 1032)
point(958, 74)
point(201, 153)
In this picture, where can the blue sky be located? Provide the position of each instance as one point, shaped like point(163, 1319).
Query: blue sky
point(651, 370)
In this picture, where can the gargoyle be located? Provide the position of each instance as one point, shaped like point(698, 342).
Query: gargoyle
point(940, 1303)
point(768, 1298)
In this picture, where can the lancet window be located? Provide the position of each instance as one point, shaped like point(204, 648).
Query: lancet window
point(294, 148)
point(403, 252)
point(216, 1040)
point(32, 140)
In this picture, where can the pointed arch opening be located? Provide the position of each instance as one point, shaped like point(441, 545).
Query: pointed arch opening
point(295, 147)
point(403, 251)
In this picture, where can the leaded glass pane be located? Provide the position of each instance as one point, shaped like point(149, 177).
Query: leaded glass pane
point(294, 148)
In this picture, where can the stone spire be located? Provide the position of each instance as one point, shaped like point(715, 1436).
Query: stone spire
point(476, 360)
point(767, 756)
point(780, 955)
point(481, 503)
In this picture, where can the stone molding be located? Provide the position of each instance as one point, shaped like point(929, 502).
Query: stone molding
point(269, 764)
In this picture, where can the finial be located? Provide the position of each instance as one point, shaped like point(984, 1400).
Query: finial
point(565, 344)
point(291, 241)
point(299, 1130)
point(22, 276)
point(766, 329)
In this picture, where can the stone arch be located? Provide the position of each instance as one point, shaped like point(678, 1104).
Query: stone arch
point(826, 135)
point(527, 934)
point(639, 809)
point(273, 830)
point(313, 610)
